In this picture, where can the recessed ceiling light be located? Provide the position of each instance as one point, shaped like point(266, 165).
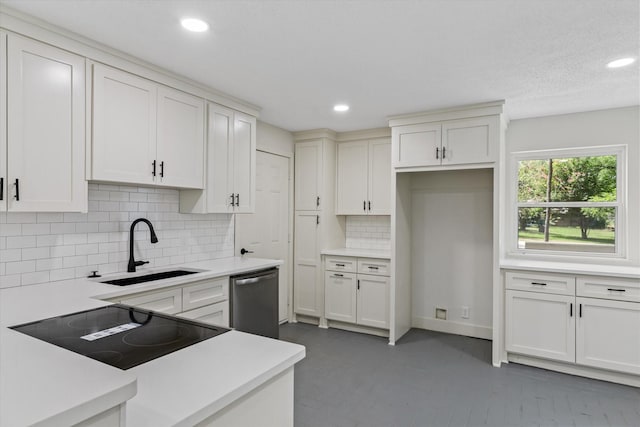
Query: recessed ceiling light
point(195, 25)
point(621, 62)
point(341, 108)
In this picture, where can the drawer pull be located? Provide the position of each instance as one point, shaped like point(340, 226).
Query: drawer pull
point(339, 275)
point(616, 290)
point(339, 265)
point(539, 283)
point(372, 267)
point(571, 310)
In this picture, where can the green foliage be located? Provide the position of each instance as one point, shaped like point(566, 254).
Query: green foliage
point(575, 179)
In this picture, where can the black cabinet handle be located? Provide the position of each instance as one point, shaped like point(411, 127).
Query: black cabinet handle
point(444, 152)
point(232, 199)
point(339, 265)
point(244, 251)
point(17, 196)
point(369, 204)
point(539, 283)
point(364, 205)
point(580, 308)
point(609, 289)
point(338, 275)
point(162, 169)
point(317, 219)
point(318, 202)
point(437, 152)
point(153, 173)
point(237, 199)
point(372, 267)
point(571, 310)
point(1, 188)
point(358, 284)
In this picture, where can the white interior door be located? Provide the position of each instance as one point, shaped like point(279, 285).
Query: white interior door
point(266, 231)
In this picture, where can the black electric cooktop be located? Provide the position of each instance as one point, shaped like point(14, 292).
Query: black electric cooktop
point(119, 335)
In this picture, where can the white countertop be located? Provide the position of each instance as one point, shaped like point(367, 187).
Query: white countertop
point(571, 268)
point(42, 383)
point(360, 253)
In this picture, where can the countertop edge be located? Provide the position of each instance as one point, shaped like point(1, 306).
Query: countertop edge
point(358, 253)
point(628, 272)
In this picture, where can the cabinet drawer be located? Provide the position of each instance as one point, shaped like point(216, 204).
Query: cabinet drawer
point(540, 282)
point(169, 301)
point(378, 267)
point(215, 314)
point(348, 265)
point(615, 289)
point(205, 293)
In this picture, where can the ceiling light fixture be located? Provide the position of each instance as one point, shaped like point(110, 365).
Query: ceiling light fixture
point(341, 108)
point(621, 62)
point(195, 25)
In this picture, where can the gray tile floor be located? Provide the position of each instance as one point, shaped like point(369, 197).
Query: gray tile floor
point(435, 379)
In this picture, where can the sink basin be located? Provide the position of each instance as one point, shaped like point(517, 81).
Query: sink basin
point(148, 277)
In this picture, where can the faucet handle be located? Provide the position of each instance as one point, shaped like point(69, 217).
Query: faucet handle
point(138, 263)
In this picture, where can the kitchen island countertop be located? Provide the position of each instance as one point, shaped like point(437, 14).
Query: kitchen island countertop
point(44, 384)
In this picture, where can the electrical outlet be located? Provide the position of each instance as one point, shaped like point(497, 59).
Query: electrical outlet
point(441, 313)
point(465, 312)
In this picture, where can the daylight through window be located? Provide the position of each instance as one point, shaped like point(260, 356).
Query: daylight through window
point(568, 204)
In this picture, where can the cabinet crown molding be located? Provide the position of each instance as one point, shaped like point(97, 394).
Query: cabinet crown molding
point(305, 135)
point(363, 134)
point(453, 113)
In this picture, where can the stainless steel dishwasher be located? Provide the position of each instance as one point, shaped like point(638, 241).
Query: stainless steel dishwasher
point(253, 302)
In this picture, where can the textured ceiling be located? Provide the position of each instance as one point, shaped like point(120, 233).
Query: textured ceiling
point(296, 59)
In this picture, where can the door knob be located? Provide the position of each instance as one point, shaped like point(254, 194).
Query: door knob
point(244, 251)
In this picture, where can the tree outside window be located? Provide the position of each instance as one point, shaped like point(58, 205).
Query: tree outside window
point(568, 203)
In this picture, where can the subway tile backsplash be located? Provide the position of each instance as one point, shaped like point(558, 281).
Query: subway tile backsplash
point(368, 232)
point(42, 247)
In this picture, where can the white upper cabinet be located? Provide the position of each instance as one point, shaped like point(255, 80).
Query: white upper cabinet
point(230, 165)
point(468, 135)
point(45, 112)
point(144, 132)
point(124, 127)
point(3, 125)
point(180, 136)
point(308, 175)
point(363, 182)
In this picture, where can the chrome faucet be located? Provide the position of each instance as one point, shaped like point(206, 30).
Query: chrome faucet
point(154, 239)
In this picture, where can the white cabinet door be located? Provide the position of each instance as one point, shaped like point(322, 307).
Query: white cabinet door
point(307, 275)
point(308, 170)
point(124, 127)
point(380, 177)
point(373, 301)
point(340, 296)
point(46, 128)
point(244, 162)
point(180, 139)
point(215, 314)
point(219, 160)
point(416, 145)
point(169, 301)
point(541, 325)
point(3, 125)
point(352, 178)
point(468, 141)
point(608, 334)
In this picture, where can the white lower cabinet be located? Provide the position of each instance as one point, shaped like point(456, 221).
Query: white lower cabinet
point(205, 301)
point(540, 325)
point(608, 334)
point(358, 298)
point(214, 314)
point(601, 332)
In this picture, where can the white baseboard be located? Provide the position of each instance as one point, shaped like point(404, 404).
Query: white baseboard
point(582, 371)
point(358, 328)
point(450, 327)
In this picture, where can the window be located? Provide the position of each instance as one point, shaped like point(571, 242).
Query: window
point(570, 201)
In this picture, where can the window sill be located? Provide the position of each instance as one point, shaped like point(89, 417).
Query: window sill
point(632, 272)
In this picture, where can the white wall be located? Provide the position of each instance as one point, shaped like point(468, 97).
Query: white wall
point(368, 232)
point(274, 139)
point(42, 247)
point(452, 250)
point(595, 128)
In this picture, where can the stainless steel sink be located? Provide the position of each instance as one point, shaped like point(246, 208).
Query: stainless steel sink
point(126, 281)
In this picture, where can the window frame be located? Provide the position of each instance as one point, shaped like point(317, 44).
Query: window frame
point(620, 151)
